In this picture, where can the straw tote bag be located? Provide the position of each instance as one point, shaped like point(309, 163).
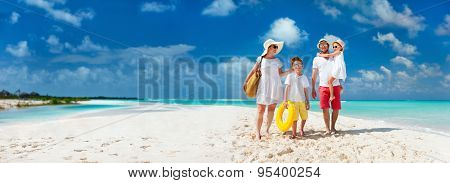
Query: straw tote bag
point(252, 84)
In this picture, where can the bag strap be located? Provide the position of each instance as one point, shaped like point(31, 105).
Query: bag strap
point(260, 62)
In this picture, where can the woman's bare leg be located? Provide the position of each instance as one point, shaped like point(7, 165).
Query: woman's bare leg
point(270, 111)
point(260, 109)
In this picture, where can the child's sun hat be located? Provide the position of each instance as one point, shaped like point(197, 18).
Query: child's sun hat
point(340, 42)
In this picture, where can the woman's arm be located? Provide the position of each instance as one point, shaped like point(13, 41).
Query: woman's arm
point(285, 73)
point(286, 92)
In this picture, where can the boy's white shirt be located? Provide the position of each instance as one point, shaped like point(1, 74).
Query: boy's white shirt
point(297, 84)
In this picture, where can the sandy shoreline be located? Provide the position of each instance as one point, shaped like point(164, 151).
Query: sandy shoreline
point(14, 103)
point(177, 133)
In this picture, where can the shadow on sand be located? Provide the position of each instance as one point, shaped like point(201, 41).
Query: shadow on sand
point(309, 134)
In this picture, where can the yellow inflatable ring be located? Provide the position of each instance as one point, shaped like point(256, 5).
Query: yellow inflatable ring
point(285, 125)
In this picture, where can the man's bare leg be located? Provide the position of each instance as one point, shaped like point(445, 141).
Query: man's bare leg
point(334, 117)
point(326, 119)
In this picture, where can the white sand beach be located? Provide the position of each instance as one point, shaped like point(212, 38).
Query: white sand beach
point(15, 103)
point(181, 133)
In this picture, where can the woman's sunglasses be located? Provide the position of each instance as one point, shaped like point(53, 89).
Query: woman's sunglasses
point(275, 46)
point(335, 46)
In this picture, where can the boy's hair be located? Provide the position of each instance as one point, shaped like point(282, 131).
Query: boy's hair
point(295, 59)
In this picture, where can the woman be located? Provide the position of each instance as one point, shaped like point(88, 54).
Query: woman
point(269, 92)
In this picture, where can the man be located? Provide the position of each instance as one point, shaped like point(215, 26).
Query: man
point(323, 67)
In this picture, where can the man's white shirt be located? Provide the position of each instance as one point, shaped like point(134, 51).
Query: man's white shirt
point(324, 67)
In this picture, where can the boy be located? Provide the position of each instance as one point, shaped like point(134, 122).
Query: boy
point(296, 91)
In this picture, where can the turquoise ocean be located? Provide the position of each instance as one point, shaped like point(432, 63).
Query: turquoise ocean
point(430, 116)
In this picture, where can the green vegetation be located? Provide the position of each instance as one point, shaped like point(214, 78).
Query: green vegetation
point(36, 96)
point(53, 100)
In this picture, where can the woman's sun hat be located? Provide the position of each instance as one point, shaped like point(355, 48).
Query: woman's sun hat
point(322, 40)
point(340, 42)
point(269, 42)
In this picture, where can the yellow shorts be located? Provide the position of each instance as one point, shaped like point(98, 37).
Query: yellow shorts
point(300, 109)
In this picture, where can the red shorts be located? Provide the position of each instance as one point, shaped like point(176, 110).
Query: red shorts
point(324, 93)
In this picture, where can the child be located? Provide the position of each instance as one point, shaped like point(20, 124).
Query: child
point(338, 71)
point(296, 91)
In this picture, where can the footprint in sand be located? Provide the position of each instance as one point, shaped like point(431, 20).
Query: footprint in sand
point(79, 150)
point(285, 151)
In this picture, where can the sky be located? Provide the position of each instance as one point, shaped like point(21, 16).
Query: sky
point(395, 50)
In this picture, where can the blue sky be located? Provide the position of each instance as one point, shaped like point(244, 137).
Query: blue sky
point(396, 49)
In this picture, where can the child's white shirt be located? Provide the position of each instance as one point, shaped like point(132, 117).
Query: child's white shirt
point(339, 70)
point(297, 83)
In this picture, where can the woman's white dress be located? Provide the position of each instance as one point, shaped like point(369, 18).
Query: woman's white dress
point(270, 89)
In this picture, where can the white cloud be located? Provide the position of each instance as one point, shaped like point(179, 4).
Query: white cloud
point(380, 13)
point(429, 70)
point(54, 45)
point(368, 75)
point(57, 28)
point(17, 77)
point(411, 80)
point(399, 47)
point(285, 29)
point(403, 75)
point(329, 10)
point(19, 50)
point(330, 38)
point(402, 61)
point(156, 7)
point(250, 2)
point(88, 46)
point(387, 72)
point(14, 18)
point(444, 28)
point(62, 14)
point(220, 8)
point(81, 81)
point(446, 82)
point(128, 55)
